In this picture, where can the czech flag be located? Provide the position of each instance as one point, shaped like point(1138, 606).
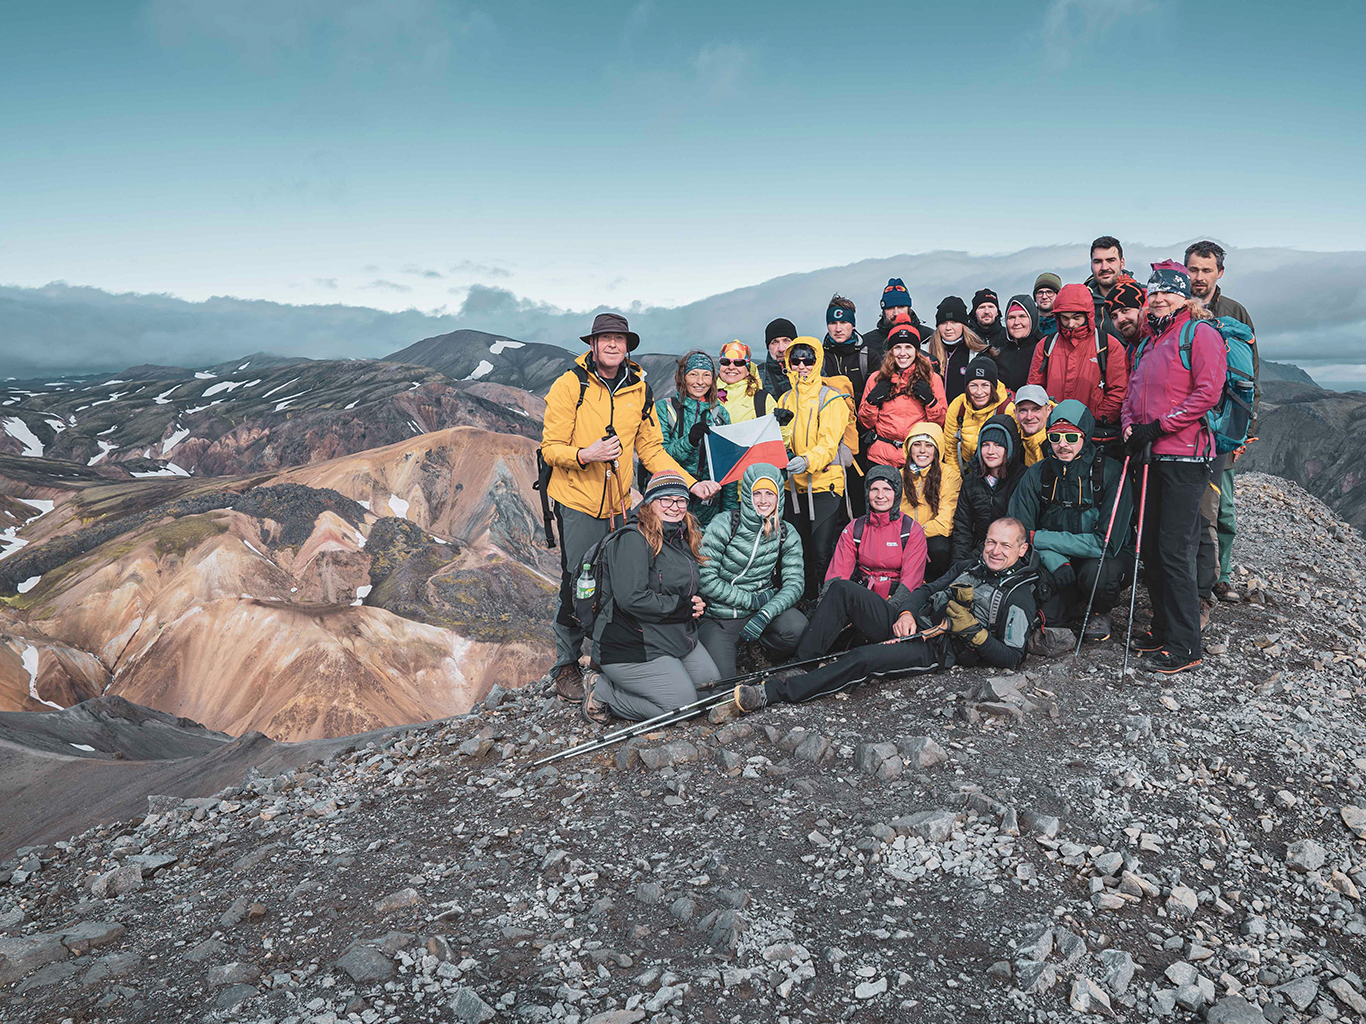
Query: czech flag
point(733, 447)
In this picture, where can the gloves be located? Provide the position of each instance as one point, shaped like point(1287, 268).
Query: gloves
point(1064, 575)
point(963, 595)
point(783, 416)
point(964, 624)
point(699, 430)
point(844, 456)
point(796, 464)
point(755, 627)
point(1143, 435)
point(881, 391)
point(924, 394)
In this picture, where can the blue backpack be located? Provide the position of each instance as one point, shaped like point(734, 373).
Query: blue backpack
point(1231, 419)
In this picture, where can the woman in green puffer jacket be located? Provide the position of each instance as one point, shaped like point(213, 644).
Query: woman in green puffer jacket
point(752, 574)
point(684, 422)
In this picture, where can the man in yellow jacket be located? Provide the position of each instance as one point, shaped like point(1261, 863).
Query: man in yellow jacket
point(598, 416)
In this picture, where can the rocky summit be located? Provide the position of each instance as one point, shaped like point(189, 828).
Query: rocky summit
point(1056, 844)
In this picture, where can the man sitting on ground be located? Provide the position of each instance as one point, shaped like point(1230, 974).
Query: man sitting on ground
point(1065, 502)
point(979, 613)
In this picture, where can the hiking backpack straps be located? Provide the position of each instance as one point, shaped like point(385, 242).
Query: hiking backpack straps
point(1102, 356)
point(1049, 481)
point(760, 403)
point(862, 521)
point(588, 588)
point(1230, 420)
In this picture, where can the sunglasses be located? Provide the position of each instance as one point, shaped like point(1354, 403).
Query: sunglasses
point(1065, 436)
point(802, 361)
point(734, 362)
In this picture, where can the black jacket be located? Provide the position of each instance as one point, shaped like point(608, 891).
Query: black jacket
point(979, 503)
point(1003, 602)
point(955, 372)
point(995, 335)
point(1013, 357)
point(855, 359)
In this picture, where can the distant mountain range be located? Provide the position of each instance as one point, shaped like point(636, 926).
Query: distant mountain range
point(1310, 309)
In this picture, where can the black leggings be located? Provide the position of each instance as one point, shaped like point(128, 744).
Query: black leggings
point(898, 657)
point(844, 603)
point(819, 535)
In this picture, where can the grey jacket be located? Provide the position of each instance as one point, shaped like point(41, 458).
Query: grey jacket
point(647, 600)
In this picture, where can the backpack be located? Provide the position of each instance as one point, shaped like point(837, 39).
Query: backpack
point(782, 539)
point(1102, 356)
point(588, 588)
point(544, 469)
point(1231, 419)
point(859, 524)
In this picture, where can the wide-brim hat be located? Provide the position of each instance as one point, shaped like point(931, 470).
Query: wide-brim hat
point(612, 323)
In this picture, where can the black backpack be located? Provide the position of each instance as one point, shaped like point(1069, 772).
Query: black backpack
point(588, 585)
point(544, 469)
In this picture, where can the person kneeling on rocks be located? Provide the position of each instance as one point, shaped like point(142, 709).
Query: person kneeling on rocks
point(752, 574)
point(978, 613)
point(1065, 502)
point(645, 636)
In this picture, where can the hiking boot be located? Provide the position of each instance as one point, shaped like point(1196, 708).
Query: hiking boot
point(1227, 593)
point(593, 710)
point(1051, 642)
point(1206, 608)
point(750, 698)
point(1146, 643)
point(1168, 663)
point(1098, 629)
point(569, 683)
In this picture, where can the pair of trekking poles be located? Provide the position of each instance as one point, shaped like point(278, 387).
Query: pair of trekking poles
point(1105, 549)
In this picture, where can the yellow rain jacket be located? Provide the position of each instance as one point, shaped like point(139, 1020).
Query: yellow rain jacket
point(743, 400)
point(578, 410)
point(913, 503)
point(820, 416)
point(963, 423)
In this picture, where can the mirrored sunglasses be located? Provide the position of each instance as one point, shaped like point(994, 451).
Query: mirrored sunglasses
point(1065, 436)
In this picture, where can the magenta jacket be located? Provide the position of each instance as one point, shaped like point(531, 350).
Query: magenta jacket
point(1162, 389)
point(880, 556)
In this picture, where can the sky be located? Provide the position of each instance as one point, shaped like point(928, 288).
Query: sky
point(394, 153)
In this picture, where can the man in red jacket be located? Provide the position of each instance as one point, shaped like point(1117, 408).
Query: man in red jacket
point(1084, 361)
point(1167, 399)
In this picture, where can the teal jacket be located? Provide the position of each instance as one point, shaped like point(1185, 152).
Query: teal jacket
point(677, 416)
point(1062, 504)
point(737, 578)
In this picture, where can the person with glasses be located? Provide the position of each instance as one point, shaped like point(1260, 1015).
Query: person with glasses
point(647, 653)
point(686, 418)
point(741, 389)
point(1065, 502)
point(813, 416)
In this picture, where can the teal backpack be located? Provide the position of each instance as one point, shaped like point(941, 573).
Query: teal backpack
point(1231, 419)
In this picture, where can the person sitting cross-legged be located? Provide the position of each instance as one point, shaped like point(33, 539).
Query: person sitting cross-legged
point(1065, 501)
point(978, 613)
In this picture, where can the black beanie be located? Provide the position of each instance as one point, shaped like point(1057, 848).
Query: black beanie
point(984, 295)
point(779, 328)
point(951, 310)
point(982, 368)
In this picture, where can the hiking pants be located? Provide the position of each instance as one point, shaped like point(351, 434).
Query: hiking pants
point(940, 551)
point(819, 535)
point(578, 532)
point(846, 603)
point(721, 637)
point(1227, 525)
point(1069, 602)
point(1211, 501)
point(901, 658)
point(1171, 538)
point(637, 690)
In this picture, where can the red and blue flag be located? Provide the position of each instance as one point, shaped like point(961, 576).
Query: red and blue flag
point(733, 447)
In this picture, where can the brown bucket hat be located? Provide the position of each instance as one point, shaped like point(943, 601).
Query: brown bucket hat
point(612, 323)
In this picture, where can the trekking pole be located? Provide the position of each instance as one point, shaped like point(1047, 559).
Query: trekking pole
point(1138, 548)
point(1119, 493)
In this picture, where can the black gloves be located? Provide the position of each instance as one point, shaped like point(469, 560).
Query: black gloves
point(1144, 434)
point(880, 392)
point(699, 430)
point(783, 416)
point(924, 394)
point(1064, 575)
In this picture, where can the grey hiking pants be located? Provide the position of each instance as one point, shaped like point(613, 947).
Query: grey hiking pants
point(721, 637)
point(578, 532)
point(637, 690)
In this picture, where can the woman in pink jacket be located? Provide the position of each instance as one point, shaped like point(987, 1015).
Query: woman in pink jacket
point(1177, 377)
point(878, 563)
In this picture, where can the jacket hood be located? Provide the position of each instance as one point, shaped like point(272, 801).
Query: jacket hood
point(755, 473)
point(1026, 303)
point(1072, 411)
point(816, 347)
point(1075, 298)
point(1014, 445)
point(928, 431)
point(889, 476)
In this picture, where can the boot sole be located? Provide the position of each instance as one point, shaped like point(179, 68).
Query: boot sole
point(1173, 671)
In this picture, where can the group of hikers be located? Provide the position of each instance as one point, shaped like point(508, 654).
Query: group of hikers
point(964, 493)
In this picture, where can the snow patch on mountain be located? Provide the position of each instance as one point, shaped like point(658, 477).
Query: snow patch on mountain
point(18, 429)
point(504, 343)
point(483, 369)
